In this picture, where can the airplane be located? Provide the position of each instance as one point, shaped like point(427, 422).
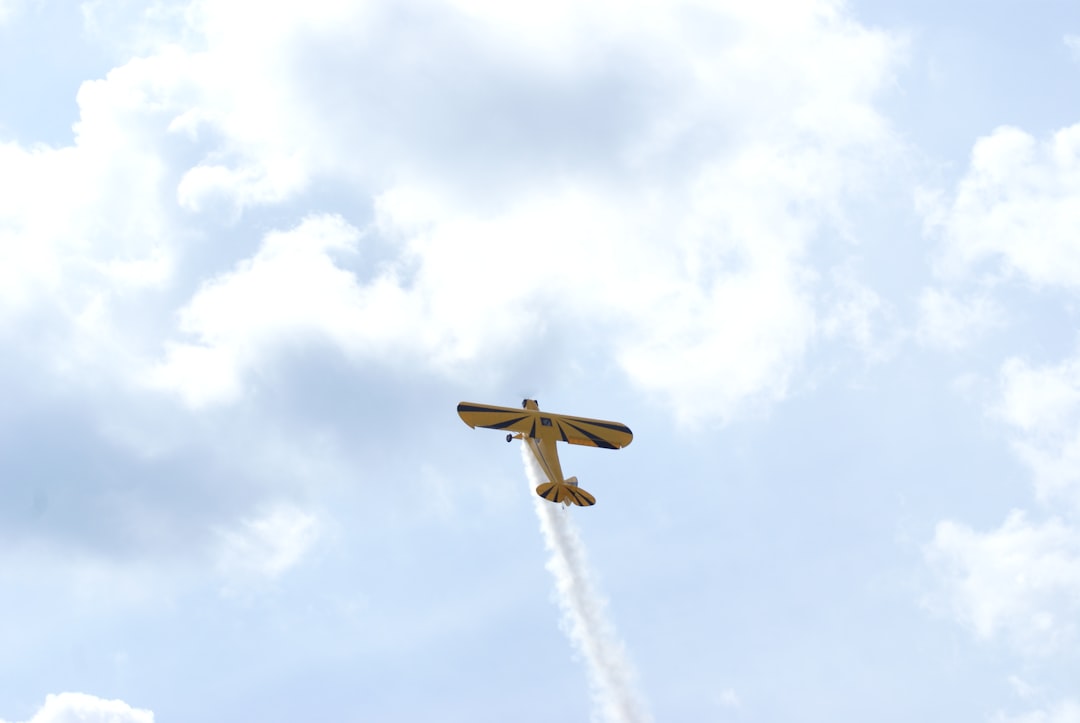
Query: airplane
point(540, 431)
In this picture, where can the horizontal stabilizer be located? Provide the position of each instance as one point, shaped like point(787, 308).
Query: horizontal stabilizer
point(568, 494)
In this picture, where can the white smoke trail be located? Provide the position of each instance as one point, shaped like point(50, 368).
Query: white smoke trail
point(611, 675)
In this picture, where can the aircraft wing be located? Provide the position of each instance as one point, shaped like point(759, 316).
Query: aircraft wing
point(591, 432)
point(540, 424)
point(522, 421)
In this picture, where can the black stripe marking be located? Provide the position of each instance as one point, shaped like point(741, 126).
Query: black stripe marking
point(606, 425)
point(598, 441)
point(587, 500)
point(463, 407)
point(503, 425)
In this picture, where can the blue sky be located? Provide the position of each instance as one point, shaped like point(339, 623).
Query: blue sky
point(821, 257)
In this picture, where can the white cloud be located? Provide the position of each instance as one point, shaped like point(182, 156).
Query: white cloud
point(650, 184)
point(1020, 582)
point(676, 75)
point(83, 708)
point(290, 288)
point(1067, 711)
point(1018, 205)
point(1043, 405)
point(1040, 401)
point(266, 546)
point(949, 322)
point(473, 297)
point(660, 206)
point(1015, 210)
point(87, 227)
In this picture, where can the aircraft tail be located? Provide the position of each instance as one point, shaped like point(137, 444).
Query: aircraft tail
point(567, 492)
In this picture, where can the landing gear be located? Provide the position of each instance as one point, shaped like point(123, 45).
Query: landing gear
point(509, 437)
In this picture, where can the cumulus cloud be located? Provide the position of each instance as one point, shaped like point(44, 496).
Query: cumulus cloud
point(465, 288)
point(1012, 216)
point(1043, 405)
point(643, 188)
point(83, 708)
point(1015, 208)
point(1020, 582)
point(103, 199)
point(660, 187)
point(88, 234)
point(290, 287)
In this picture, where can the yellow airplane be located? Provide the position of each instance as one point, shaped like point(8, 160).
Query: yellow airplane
point(541, 430)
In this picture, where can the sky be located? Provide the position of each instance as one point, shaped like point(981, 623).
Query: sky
point(821, 257)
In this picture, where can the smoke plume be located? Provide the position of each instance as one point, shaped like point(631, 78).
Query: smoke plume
point(610, 673)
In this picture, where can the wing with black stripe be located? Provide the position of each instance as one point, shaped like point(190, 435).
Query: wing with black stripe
point(591, 432)
point(506, 418)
